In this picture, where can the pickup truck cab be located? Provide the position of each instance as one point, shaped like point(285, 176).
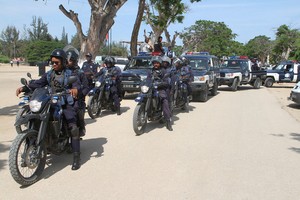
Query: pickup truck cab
point(136, 71)
point(285, 72)
point(237, 71)
point(205, 68)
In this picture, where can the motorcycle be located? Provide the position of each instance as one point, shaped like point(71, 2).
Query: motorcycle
point(180, 98)
point(24, 105)
point(149, 107)
point(100, 97)
point(46, 132)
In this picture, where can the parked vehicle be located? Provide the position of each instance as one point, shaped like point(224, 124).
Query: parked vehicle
point(238, 71)
point(46, 133)
point(285, 72)
point(295, 94)
point(135, 72)
point(206, 70)
point(149, 107)
point(121, 62)
point(100, 96)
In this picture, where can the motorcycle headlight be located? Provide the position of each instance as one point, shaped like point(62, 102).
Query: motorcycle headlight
point(144, 89)
point(35, 105)
point(98, 84)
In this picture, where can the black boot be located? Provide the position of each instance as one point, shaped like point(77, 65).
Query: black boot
point(76, 161)
point(169, 125)
point(118, 111)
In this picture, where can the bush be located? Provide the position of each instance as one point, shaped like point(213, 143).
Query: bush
point(4, 59)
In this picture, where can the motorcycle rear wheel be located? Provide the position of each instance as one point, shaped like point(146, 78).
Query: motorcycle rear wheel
point(25, 165)
point(93, 107)
point(139, 119)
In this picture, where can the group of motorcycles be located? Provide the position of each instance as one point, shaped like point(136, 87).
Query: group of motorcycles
point(42, 130)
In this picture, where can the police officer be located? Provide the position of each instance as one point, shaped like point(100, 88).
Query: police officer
point(79, 104)
point(115, 72)
point(90, 69)
point(159, 73)
point(187, 70)
point(56, 79)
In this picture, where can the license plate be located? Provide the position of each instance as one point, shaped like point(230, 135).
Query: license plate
point(128, 86)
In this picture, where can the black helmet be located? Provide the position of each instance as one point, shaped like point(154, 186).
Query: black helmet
point(109, 59)
point(89, 55)
point(177, 61)
point(185, 60)
point(72, 55)
point(60, 54)
point(156, 59)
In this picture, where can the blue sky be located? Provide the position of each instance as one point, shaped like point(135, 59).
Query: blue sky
point(245, 18)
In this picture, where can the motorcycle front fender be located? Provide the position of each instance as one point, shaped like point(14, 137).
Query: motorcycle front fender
point(140, 98)
point(92, 92)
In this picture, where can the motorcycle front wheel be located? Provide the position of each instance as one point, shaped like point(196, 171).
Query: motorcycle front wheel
point(139, 119)
point(93, 107)
point(25, 109)
point(25, 165)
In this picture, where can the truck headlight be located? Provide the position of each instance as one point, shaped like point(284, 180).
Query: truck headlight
point(35, 105)
point(199, 78)
point(144, 89)
point(143, 77)
point(229, 75)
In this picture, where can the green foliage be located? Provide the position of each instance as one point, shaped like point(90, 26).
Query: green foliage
point(205, 35)
point(4, 59)
point(259, 47)
point(40, 50)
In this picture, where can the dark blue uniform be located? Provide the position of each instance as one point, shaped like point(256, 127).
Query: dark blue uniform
point(162, 91)
point(115, 72)
point(90, 69)
point(57, 80)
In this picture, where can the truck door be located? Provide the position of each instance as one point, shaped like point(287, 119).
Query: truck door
point(288, 73)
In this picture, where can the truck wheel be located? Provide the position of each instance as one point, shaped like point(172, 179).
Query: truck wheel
point(269, 82)
point(214, 90)
point(204, 95)
point(257, 83)
point(234, 85)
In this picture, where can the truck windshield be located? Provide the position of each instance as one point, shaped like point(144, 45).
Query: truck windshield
point(235, 64)
point(137, 63)
point(279, 67)
point(199, 64)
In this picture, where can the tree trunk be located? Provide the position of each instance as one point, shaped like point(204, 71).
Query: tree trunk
point(136, 28)
point(101, 21)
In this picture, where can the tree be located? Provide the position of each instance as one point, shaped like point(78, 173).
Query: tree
point(259, 47)
point(205, 35)
point(136, 28)
point(285, 41)
point(39, 30)
point(64, 37)
point(101, 20)
point(10, 38)
point(161, 13)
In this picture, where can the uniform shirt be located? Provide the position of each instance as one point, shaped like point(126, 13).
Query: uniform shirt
point(89, 68)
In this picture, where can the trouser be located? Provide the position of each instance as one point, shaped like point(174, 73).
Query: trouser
point(115, 96)
point(165, 104)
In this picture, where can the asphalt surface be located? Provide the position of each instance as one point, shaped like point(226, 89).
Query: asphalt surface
point(236, 146)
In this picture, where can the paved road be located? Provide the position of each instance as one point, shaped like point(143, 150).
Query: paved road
point(237, 146)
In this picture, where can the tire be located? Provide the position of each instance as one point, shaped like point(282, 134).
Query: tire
point(214, 90)
point(24, 165)
point(203, 96)
point(139, 119)
point(257, 83)
point(93, 107)
point(269, 82)
point(234, 85)
point(20, 113)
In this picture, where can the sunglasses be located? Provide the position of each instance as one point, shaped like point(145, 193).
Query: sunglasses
point(54, 63)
